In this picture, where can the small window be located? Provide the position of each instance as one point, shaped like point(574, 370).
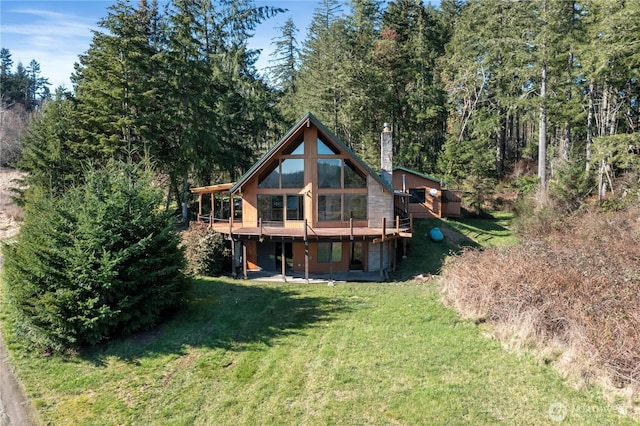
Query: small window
point(295, 207)
point(270, 207)
point(329, 249)
point(417, 195)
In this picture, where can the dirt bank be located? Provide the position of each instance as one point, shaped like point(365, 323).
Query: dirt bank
point(14, 408)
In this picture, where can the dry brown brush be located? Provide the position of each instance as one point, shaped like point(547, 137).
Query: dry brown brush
point(576, 288)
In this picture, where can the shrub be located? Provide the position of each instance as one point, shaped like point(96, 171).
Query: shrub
point(577, 285)
point(100, 261)
point(206, 251)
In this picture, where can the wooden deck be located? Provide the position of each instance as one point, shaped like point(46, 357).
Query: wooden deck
point(237, 230)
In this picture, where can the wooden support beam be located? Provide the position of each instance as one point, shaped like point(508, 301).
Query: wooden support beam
point(384, 228)
point(232, 206)
point(331, 261)
point(351, 228)
point(381, 261)
point(199, 205)
point(395, 254)
point(283, 261)
point(244, 260)
point(234, 264)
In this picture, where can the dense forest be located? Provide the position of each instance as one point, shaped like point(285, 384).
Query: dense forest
point(544, 92)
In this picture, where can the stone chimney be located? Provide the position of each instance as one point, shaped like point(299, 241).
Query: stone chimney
point(386, 154)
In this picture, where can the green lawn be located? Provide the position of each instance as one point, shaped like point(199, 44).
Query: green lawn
point(270, 353)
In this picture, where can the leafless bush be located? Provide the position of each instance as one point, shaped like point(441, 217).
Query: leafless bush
point(576, 286)
point(13, 122)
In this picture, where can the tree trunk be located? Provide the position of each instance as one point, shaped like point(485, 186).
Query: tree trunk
point(542, 132)
point(589, 128)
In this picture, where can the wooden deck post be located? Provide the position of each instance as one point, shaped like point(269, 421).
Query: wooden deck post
point(331, 261)
point(381, 260)
point(213, 209)
point(283, 262)
point(384, 228)
point(234, 264)
point(351, 228)
point(306, 254)
point(244, 260)
point(395, 254)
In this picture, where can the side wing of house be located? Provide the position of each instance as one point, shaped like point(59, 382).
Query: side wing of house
point(425, 192)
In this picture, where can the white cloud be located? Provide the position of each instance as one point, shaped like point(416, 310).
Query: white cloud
point(51, 38)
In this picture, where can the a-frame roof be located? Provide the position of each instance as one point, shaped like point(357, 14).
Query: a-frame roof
point(307, 120)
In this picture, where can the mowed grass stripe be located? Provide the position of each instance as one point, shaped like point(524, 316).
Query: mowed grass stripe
point(271, 353)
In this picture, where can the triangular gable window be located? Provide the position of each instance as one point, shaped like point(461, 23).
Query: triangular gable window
point(296, 149)
point(326, 149)
point(271, 177)
point(353, 178)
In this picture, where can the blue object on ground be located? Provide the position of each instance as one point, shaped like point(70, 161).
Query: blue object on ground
point(436, 235)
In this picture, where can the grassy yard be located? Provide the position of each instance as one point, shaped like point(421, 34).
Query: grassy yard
point(263, 353)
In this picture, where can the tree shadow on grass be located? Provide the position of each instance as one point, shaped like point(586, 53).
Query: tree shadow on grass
point(228, 315)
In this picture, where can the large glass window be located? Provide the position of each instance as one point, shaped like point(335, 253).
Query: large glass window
point(355, 206)
point(292, 173)
point(295, 207)
point(270, 207)
point(329, 207)
point(329, 249)
point(329, 173)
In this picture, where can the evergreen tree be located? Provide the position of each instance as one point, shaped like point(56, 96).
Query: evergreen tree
point(99, 262)
point(284, 71)
point(321, 77)
point(51, 155)
point(113, 84)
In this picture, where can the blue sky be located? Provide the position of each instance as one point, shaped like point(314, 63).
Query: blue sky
point(55, 32)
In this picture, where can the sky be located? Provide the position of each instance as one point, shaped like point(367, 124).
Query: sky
point(55, 32)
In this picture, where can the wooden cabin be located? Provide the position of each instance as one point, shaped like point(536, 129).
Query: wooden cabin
point(426, 196)
point(309, 205)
